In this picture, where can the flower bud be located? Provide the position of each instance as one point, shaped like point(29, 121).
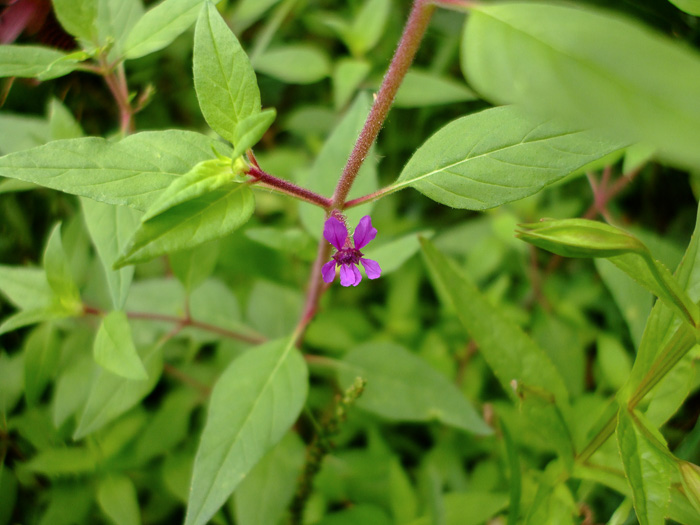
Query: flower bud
point(580, 238)
point(691, 482)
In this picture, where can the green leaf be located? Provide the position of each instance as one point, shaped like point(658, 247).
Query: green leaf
point(252, 405)
point(402, 496)
point(69, 503)
point(393, 254)
point(423, 88)
point(62, 124)
point(329, 164)
point(114, 348)
point(193, 267)
point(160, 26)
point(615, 362)
point(402, 387)
point(11, 381)
point(367, 27)
point(647, 468)
point(131, 172)
point(592, 67)
point(496, 156)
point(263, 496)
point(194, 222)
point(294, 64)
point(247, 12)
point(116, 496)
point(510, 353)
point(18, 132)
point(515, 476)
point(469, 508)
point(58, 273)
point(26, 288)
point(110, 228)
point(77, 17)
point(71, 389)
point(55, 462)
point(35, 61)
point(41, 355)
point(225, 82)
point(8, 494)
point(35, 315)
point(361, 513)
point(250, 130)
point(274, 309)
point(293, 241)
point(114, 22)
point(348, 74)
point(692, 7)
point(112, 395)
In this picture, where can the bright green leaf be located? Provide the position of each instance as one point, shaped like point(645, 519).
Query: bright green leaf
point(225, 82)
point(393, 254)
point(614, 360)
point(348, 74)
point(77, 17)
point(62, 123)
point(250, 130)
point(41, 355)
point(402, 387)
point(423, 88)
point(252, 405)
point(367, 27)
point(58, 273)
point(131, 172)
point(69, 503)
point(274, 309)
point(26, 288)
point(114, 22)
point(18, 132)
point(55, 462)
point(469, 508)
point(293, 241)
point(692, 7)
point(362, 513)
point(160, 26)
point(593, 67)
point(498, 155)
point(71, 389)
point(295, 64)
point(33, 316)
point(34, 61)
point(114, 348)
point(11, 381)
point(116, 496)
point(193, 267)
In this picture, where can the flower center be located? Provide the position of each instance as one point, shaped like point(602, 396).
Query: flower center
point(348, 255)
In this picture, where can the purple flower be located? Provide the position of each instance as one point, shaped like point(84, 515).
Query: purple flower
point(349, 255)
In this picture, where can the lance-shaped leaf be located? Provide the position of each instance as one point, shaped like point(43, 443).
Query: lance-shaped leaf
point(498, 155)
point(131, 172)
point(252, 405)
point(160, 26)
point(116, 495)
point(58, 273)
point(41, 356)
point(250, 130)
point(225, 82)
point(647, 467)
point(585, 238)
point(114, 348)
point(592, 67)
point(35, 61)
point(77, 17)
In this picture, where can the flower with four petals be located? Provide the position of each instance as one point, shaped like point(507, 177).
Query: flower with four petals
point(348, 253)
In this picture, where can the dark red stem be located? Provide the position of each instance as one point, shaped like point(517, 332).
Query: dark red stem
point(288, 188)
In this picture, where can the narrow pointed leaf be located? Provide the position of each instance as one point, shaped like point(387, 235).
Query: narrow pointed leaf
point(41, 357)
point(116, 496)
point(114, 348)
point(498, 155)
point(34, 61)
point(77, 17)
point(253, 404)
point(59, 274)
point(25, 287)
point(250, 130)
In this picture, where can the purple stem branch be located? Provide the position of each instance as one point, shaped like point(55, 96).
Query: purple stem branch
point(288, 188)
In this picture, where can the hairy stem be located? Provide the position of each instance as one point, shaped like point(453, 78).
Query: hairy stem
point(288, 188)
point(370, 197)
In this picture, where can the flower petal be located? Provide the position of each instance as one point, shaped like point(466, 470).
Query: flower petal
point(347, 276)
point(328, 271)
point(364, 233)
point(371, 268)
point(335, 232)
point(358, 275)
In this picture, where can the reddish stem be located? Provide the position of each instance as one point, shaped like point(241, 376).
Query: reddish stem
point(287, 187)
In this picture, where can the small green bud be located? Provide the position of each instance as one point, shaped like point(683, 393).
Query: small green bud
point(239, 167)
point(690, 474)
point(580, 238)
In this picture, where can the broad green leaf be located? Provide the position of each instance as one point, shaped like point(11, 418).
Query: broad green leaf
point(18, 132)
point(423, 88)
point(329, 165)
point(193, 267)
point(58, 273)
point(116, 496)
point(496, 156)
point(114, 22)
point(402, 387)
point(692, 7)
point(77, 17)
point(184, 226)
point(131, 172)
point(69, 503)
point(41, 355)
point(593, 67)
point(252, 406)
point(469, 508)
point(114, 348)
point(250, 130)
point(64, 461)
point(348, 74)
point(71, 389)
point(510, 353)
point(214, 303)
point(293, 241)
point(35, 61)
point(62, 124)
point(25, 287)
point(647, 468)
point(112, 395)
point(294, 63)
point(274, 309)
point(264, 495)
point(225, 82)
point(160, 26)
point(110, 227)
point(393, 254)
point(367, 27)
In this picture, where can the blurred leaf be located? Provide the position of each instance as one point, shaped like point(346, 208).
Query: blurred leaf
point(274, 309)
point(593, 67)
point(114, 349)
point(294, 64)
point(264, 495)
point(348, 74)
point(270, 379)
point(131, 172)
point(193, 267)
point(423, 88)
point(404, 503)
point(692, 7)
point(41, 355)
point(400, 387)
point(690, 476)
point(116, 496)
point(367, 27)
point(515, 476)
point(498, 155)
point(110, 227)
point(362, 513)
point(329, 165)
point(69, 503)
point(293, 241)
point(33, 316)
point(8, 494)
point(393, 254)
point(672, 391)
point(469, 508)
point(64, 461)
point(34, 61)
point(112, 395)
point(62, 123)
point(160, 26)
point(614, 360)
point(225, 82)
point(71, 389)
point(77, 17)
point(18, 132)
point(187, 225)
point(247, 12)
point(250, 130)
point(58, 273)
point(25, 287)
point(11, 381)
point(114, 22)
point(647, 468)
